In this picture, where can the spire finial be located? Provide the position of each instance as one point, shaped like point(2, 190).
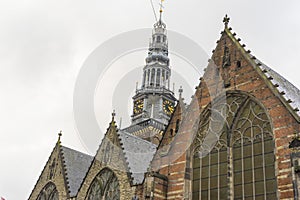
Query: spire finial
point(59, 135)
point(113, 114)
point(226, 20)
point(180, 92)
point(161, 9)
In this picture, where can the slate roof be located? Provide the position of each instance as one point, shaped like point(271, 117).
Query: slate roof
point(138, 153)
point(76, 165)
point(290, 92)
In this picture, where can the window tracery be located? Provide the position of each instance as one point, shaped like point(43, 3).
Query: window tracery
point(242, 160)
point(105, 186)
point(49, 192)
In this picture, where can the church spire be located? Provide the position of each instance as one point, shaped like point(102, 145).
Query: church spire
point(154, 99)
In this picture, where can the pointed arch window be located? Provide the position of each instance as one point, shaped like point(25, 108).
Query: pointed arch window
point(105, 186)
point(49, 192)
point(242, 160)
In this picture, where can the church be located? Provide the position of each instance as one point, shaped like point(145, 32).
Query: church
point(238, 138)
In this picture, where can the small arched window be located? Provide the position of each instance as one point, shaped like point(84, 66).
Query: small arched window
point(158, 39)
point(49, 192)
point(104, 186)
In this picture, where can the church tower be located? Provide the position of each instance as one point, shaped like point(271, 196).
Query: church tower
point(154, 102)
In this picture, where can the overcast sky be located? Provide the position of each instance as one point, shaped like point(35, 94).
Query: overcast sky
point(44, 43)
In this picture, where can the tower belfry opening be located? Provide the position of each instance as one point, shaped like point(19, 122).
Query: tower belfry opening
point(154, 102)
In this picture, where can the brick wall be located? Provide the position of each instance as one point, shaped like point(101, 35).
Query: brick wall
point(243, 75)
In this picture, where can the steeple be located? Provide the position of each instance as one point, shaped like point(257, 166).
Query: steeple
point(155, 100)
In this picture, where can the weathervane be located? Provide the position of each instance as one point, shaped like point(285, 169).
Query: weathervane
point(160, 9)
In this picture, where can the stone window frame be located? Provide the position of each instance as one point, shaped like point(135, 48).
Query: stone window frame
point(223, 143)
point(49, 192)
point(110, 180)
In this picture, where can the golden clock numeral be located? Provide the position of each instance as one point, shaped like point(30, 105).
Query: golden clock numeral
point(168, 107)
point(138, 106)
point(171, 109)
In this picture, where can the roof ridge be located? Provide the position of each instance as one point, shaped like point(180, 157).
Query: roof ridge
point(136, 137)
point(76, 150)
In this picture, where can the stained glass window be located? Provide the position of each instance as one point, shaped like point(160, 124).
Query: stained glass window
point(49, 192)
point(105, 186)
point(242, 160)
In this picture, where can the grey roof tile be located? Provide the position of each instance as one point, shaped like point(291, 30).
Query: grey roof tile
point(138, 153)
point(76, 166)
point(290, 92)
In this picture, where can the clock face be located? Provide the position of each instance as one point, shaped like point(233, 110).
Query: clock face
point(138, 106)
point(168, 107)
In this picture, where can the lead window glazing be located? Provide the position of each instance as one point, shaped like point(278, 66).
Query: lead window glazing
point(241, 164)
